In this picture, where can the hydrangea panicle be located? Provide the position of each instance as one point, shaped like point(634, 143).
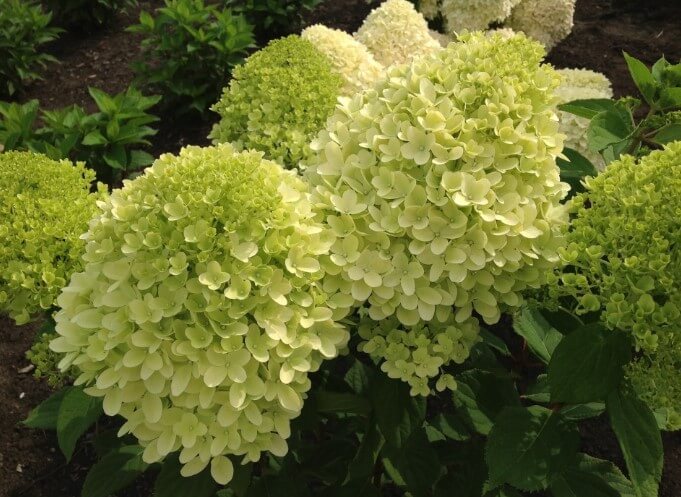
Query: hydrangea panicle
point(199, 312)
point(549, 21)
point(471, 15)
point(441, 187)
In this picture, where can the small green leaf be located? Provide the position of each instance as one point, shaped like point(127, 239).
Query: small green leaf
point(642, 78)
point(588, 108)
point(113, 472)
point(588, 364)
point(541, 337)
point(45, 415)
point(639, 437)
point(528, 446)
point(482, 395)
point(78, 411)
point(94, 138)
point(608, 128)
point(668, 133)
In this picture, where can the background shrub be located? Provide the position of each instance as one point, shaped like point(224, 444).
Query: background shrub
point(279, 98)
point(189, 50)
point(45, 206)
point(86, 15)
point(273, 18)
point(24, 27)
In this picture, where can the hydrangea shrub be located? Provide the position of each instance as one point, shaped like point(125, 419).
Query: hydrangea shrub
point(395, 33)
point(199, 312)
point(45, 206)
point(580, 84)
point(442, 189)
point(349, 57)
point(622, 259)
point(278, 100)
point(549, 21)
point(460, 15)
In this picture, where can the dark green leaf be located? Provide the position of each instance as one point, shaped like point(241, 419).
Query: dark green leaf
point(45, 415)
point(588, 108)
point(482, 395)
point(642, 78)
point(114, 471)
point(575, 168)
point(359, 377)
point(451, 426)
point(495, 342)
point(592, 477)
point(639, 438)
point(527, 447)
point(541, 337)
point(539, 390)
point(583, 411)
point(170, 483)
point(277, 486)
point(116, 157)
point(362, 464)
point(417, 463)
point(77, 413)
point(466, 474)
point(398, 413)
point(334, 402)
point(588, 364)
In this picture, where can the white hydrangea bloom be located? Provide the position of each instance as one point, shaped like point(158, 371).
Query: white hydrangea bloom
point(396, 33)
point(199, 313)
point(460, 15)
point(441, 187)
point(350, 58)
point(580, 84)
point(429, 8)
point(549, 21)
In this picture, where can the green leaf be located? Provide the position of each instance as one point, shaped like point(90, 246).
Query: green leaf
point(362, 465)
point(642, 78)
point(94, 138)
point(140, 159)
point(583, 411)
point(588, 364)
point(417, 463)
point(466, 474)
point(575, 168)
point(608, 128)
point(592, 477)
point(495, 342)
point(334, 402)
point(170, 483)
point(639, 437)
point(482, 395)
point(45, 415)
point(359, 377)
point(588, 108)
point(114, 471)
point(541, 337)
point(77, 413)
point(527, 447)
point(115, 157)
point(670, 98)
point(668, 133)
point(398, 414)
point(658, 69)
point(105, 102)
point(451, 426)
point(539, 390)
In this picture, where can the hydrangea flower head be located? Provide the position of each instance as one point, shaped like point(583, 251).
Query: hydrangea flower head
point(395, 33)
point(460, 15)
point(278, 100)
point(549, 21)
point(199, 313)
point(579, 84)
point(622, 259)
point(349, 57)
point(45, 206)
point(441, 186)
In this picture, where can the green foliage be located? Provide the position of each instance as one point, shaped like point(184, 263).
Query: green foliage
point(108, 140)
point(86, 15)
point(45, 360)
point(24, 27)
point(45, 206)
point(614, 130)
point(188, 52)
point(621, 260)
point(273, 18)
point(278, 100)
point(115, 471)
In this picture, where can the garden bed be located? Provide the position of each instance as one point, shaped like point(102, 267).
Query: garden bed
point(29, 463)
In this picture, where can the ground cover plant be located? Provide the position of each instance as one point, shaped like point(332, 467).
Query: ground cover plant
point(432, 274)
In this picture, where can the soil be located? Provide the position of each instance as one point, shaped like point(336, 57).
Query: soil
point(30, 464)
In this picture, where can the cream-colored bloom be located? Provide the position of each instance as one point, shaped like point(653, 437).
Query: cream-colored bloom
point(460, 15)
point(549, 21)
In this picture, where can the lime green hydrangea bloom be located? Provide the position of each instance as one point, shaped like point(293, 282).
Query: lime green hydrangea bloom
point(199, 313)
point(622, 258)
point(442, 188)
point(349, 57)
point(395, 33)
point(278, 100)
point(549, 21)
point(579, 84)
point(45, 206)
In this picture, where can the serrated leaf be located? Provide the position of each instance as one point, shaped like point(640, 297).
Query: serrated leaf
point(592, 477)
point(77, 413)
point(642, 78)
point(45, 415)
point(113, 472)
point(170, 483)
point(541, 337)
point(588, 364)
point(482, 395)
point(528, 446)
point(639, 437)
